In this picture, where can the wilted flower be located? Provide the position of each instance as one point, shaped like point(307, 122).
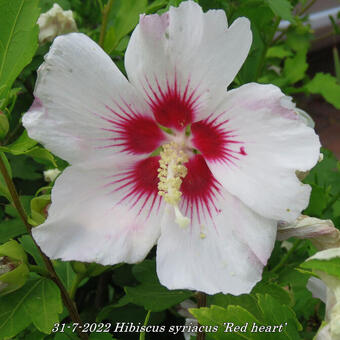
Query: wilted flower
point(5, 267)
point(328, 290)
point(322, 233)
point(13, 267)
point(168, 156)
point(55, 22)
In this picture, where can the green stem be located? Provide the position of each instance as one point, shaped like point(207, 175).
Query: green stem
point(146, 321)
point(105, 13)
point(336, 63)
point(201, 302)
point(284, 31)
point(286, 257)
point(305, 9)
point(48, 264)
point(330, 204)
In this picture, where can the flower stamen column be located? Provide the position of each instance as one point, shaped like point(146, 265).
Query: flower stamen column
point(171, 170)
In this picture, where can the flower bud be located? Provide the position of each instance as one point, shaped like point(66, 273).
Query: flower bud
point(55, 22)
point(13, 267)
point(39, 208)
point(51, 174)
point(4, 125)
point(322, 233)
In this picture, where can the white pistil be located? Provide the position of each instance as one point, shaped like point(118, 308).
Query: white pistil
point(182, 221)
point(171, 172)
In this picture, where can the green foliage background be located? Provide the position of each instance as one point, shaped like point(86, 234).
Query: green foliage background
point(132, 293)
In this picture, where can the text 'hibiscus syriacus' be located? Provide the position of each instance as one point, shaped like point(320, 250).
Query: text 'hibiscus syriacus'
point(169, 156)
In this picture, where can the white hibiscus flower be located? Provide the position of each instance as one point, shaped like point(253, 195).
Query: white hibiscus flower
point(226, 159)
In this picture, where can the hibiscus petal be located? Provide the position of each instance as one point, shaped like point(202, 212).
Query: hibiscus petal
point(254, 146)
point(317, 288)
point(184, 60)
point(105, 212)
point(85, 107)
point(224, 253)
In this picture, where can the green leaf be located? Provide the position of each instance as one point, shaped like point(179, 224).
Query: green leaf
point(11, 228)
point(275, 313)
point(155, 297)
point(279, 51)
point(275, 291)
point(4, 125)
point(327, 86)
point(295, 68)
point(324, 179)
point(261, 17)
point(331, 266)
point(221, 319)
point(246, 301)
point(317, 202)
point(46, 5)
point(298, 38)
point(3, 186)
point(67, 334)
point(100, 336)
point(123, 311)
point(13, 250)
point(157, 5)
point(18, 39)
point(29, 246)
point(326, 174)
point(34, 335)
point(65, 272)
point(123, 18)
point(271, 314)
point(12, 211)
point(21, 145)
point(296, 280)
point(38, 301)
point(27, 146)
point(25, 168)
point(42, 156)
point(281, 8)
point(14, 279)
point(150, 293)
point(145, 271)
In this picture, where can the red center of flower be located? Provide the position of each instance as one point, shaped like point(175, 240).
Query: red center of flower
point(137, 133)
point(214, 141)
point(173, 108)
point(199, 189)
point(138, 184)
